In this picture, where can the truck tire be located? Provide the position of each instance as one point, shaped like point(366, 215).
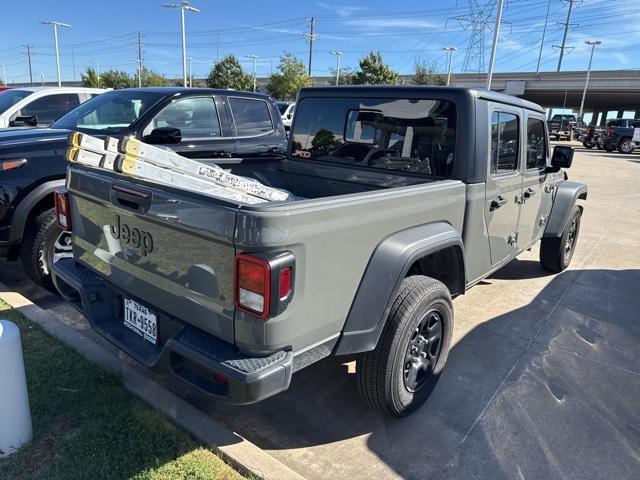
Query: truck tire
point(587, 145)
point(38, 240)
point(400, 373)
point(556, 252)
point(626, 146)
point(598, 146)
point(609, 148)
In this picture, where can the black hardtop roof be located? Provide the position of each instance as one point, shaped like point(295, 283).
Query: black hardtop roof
point(197, 91)
point(414, 91)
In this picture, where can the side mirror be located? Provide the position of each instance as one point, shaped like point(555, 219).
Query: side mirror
point(24, 121)
point(163, 135)
point(562, 157)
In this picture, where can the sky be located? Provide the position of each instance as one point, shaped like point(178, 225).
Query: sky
point(403, 31)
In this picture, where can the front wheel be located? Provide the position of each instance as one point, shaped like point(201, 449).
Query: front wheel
point(38, 241)
point(556, 252)
point(626, 146)
point(400, 373)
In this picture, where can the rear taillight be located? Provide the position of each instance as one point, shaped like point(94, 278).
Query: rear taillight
point(609, 132)
point(591, 130)
point(263, 284)
point(63, 211)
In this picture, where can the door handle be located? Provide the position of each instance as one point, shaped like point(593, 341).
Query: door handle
point(529, 192)
point(497, 203)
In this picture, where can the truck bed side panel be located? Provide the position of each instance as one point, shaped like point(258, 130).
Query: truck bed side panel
point(333, 241)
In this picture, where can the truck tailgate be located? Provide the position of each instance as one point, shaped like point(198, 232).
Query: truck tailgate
point(167, 249)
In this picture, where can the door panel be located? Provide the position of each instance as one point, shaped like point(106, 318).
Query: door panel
point(504, 183)
point(535, 199)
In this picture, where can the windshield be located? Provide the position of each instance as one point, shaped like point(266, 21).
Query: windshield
point(408, 135)
point(110, 113)
point(9, 98)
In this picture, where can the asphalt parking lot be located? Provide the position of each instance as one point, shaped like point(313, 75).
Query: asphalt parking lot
point(543, 380)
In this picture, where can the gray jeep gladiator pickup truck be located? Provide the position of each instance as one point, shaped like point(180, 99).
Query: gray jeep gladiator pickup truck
point(405, 198)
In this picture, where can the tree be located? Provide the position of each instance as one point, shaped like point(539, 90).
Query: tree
point(90, 78)
point(151, 78)
point(290, 77)
point(228, 73)
point(426, 75)
point(345, 78)
point(373, 71)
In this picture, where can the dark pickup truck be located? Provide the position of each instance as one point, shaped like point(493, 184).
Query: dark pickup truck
point(197, 123)
point(404, 198)
point(619, 135)
point(562, 125)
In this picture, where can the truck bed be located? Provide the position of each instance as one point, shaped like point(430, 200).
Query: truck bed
point(187, 274)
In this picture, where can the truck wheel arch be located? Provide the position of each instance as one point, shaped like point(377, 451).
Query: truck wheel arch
point(567, 195)
point(42, 195)
point(413, 251)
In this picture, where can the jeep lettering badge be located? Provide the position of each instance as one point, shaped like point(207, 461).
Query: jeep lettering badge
point(132, 236)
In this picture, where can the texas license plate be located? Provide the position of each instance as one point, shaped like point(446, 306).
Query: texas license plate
point(141, 320)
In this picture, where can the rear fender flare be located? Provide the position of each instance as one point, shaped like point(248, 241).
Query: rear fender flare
point(567, 195)
point(381, 281)
point(27, 204)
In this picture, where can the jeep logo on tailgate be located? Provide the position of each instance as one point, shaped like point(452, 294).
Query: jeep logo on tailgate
point(132, 236)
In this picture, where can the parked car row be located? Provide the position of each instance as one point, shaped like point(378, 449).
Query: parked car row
point(621, 134)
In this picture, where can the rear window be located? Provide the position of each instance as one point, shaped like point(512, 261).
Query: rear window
point(9, 98)
point(251, 116)
point(407, 135)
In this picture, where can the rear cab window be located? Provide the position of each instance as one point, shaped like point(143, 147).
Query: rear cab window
point(251, 116)
point(48, 109)
point(407, 135)
point(505, 142)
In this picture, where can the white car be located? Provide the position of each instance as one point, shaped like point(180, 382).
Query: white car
point(287, 116)
point(40, 106)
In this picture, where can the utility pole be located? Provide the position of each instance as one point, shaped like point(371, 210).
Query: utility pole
point(566, 24)
point(311, 37)
point(29, 59)
point(544, 32)
point(255, 57)
point(449, 51)
point(494, 46)
point(139, 59)
point(586, 82)
point(55, 39)
point(184, 5)
point(338, 55)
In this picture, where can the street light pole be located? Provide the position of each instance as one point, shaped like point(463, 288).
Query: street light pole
point(593, 45)
point(184, 5)
point(55, 39)
point(338, 54)
point(449, 51)
point(494, 46)
point(255, 57)
point(97, 70)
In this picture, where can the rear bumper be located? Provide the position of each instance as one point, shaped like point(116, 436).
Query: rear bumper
point(187, 352)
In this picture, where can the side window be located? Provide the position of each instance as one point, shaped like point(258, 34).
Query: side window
point(197, 118)
point(505, 144)
point(251, 116)
point(48, 109)
point(536, 144)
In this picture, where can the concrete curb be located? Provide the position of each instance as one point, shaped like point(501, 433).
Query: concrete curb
point(243, 455)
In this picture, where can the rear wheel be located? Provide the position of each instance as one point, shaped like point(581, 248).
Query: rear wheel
point(626, 146)
point(556, 252)
point(400, 373)
point(43, 245)
point(598, 146)
point(587, 145)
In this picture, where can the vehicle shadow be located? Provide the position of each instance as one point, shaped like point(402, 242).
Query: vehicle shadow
point(562, 398)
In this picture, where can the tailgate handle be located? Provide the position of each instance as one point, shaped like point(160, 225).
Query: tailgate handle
point(126, 197)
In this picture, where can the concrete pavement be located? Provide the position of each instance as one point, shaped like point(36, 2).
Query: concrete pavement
point(543, 380)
